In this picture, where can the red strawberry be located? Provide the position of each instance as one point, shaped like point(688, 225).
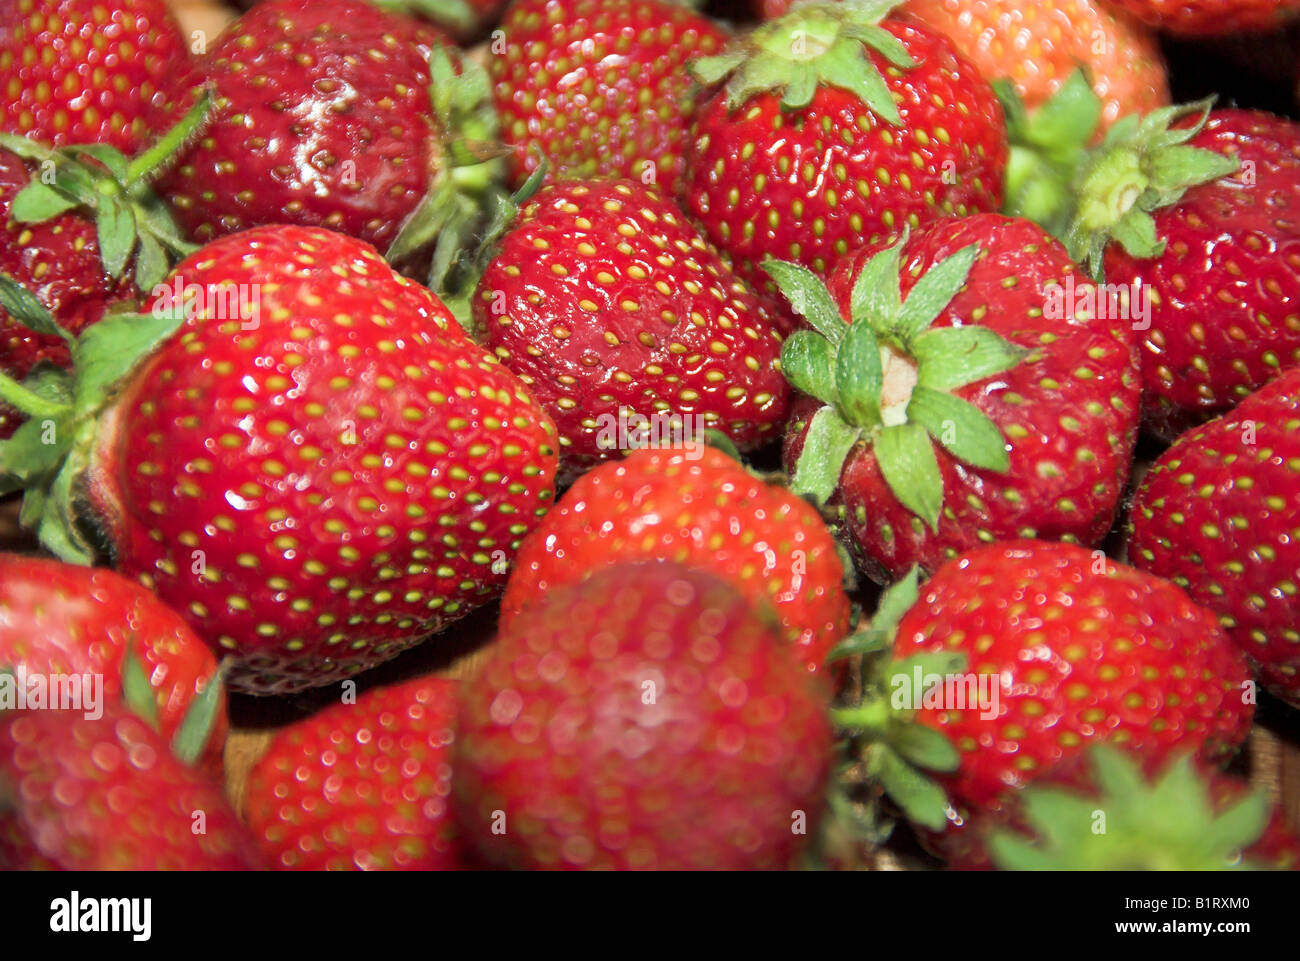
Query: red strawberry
point(644, 718)
point(318, 470)
point(607, 303)
point(327, 115)
point(1219, 515)
point(361, 785)
point(86, 71)
point(107, 795)
point(1004, 407)
point(1067, 648)
point(64, 619)
point(599, 87)
point(704, 512)
point(1211, 17)
point(821, 141)
point(1181, 819)
point(1223, 274)
point(58, 261)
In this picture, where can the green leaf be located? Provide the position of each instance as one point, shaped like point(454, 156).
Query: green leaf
point(107, 351)
point(858, 376)
point(21, 304)
point(925, 747)
point(853, 71)
point(1069, 117)
point(934, 291)
point(875, 299)
point(37, 203)
point(711, 70)
point(1136, 233)
point(1175, 168)
point(896, 601)
point(720, 441)
point(137, 692)
point(923, 801)
point(808, 297)
point(963, 429)
point(115, 229)
point(26, 457)
point(808, 362)
point(826, 447)
point(110, 157)
point(906, 457)
point(859, 642)
point(195, 730)
point(951, 357)
point(151, 266)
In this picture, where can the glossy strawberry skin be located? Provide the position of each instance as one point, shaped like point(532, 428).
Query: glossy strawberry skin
point(599, 88)
point(604, 299)
point(1039, 43)
point(58, 261)
point(1223, 294)
point(58, 618)
point(643, 719)
point(1082, 656)
point(1211, 17)
point(320, 492)
point(322, 118)
point(709, 514)
point(1068, 411)
point(107, 795)
point(86, 71)
point(363, 785)
point(1219, 515)
point(812, 185)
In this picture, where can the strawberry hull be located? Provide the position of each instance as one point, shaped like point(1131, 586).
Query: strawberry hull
point(322, 487)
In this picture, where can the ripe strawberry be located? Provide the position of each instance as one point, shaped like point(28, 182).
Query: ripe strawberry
point(1000, 354)
point(65, 619)
point(599, 87)
point(643, 719)
point(1226, 249)
point(1070, 649)
point(1211, 17)
point(57, 261)
point(821, 140)
point(704, 512)
point(1218, 514)
point(361, 785)
point(1037, 44)
point(1181, 819)
point(607, 302)
point(332, 113)
point(86, 71)
point(107, 795)
point(318, 470)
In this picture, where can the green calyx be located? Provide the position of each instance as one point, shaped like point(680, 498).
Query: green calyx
point(468, 187)
point(50, 451)
point(456, 15)
point(1168, 823)
point(1048, 148)
point(195, 730)
point(1089, 197)
point(815, 44)
point(130, 220)
point(895, 752)
point(885, 379)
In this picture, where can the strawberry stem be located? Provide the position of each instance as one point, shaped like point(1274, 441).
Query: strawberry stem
point(144, 164)
point(28, 402)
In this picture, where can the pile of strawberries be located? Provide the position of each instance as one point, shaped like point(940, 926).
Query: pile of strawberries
point(775, 389)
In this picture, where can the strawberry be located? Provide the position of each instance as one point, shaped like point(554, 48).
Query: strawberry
point(608, 304)
point(58, 262)
point(86, 71)
point(1037, 44)
point(599, 87)
point(361, 785)
point(835, 127)
point(107, 795)
point(65, 619)
point(332, 113)
point(1181, 819)
point(1211, 17)
point(978, 334)
point(701, 509)
point(1042, 649)
point(1219, 515)
point(318, 469)
point(642, 719)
